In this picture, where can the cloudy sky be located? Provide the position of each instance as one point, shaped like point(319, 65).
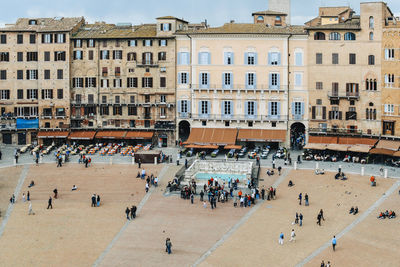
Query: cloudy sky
point(217, 12)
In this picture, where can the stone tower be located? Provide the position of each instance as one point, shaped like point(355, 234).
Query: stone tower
point(280, 6)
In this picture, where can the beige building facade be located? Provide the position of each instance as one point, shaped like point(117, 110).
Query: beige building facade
point(240, 76)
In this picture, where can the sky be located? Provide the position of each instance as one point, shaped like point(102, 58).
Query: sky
point(216, 12)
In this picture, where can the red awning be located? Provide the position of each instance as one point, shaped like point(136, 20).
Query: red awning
point(82, 135)
point(203, 146)
point(111, 135)
point(139, 135)
point(53, 134)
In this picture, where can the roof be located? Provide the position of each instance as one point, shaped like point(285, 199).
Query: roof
point(269, 13)
point(351, 24)
point(172, 17)
point(332, 11)
point(103, 30)
point(248, 28)
point(44, 24)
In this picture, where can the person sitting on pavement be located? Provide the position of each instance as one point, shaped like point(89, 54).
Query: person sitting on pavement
point(351, 210)
point(355, 211)
point(31, 184)
point(381, 215)
point(290, 184)
point(74, 188)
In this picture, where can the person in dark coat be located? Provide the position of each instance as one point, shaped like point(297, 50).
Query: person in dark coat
point(50, 205)
point(127, 211)
point(93, 200)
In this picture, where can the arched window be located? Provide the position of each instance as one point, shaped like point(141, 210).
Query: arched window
point(278, 18)
point(371, 36)
point(260, 19)
point(375, 85)
point(334, 36)
point(371, 22)
point(319, 36)
point(371, 60)
point(367, 84)
point(349, 36)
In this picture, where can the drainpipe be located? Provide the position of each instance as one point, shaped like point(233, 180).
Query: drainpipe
point(288, 86)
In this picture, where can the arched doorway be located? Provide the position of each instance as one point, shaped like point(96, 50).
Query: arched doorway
point(184, 130)
point(297, 135)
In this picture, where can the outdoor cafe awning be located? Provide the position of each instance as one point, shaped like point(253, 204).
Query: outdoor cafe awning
point(337, 147)
point(388, 144)
point(53, 134)
point(82, 135)
point(315, 146)
point(261, 135)
point(360, 148)
point(323, 139)
point(382, 151)
point(110, 135)
point(357, 141)
point(212, 136)
point(139, 135)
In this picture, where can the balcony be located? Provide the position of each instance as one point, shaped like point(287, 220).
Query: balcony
point(347, 95)
point(220, 117)
point(147, 64)
point(60, 115)
point(46, 116)
point(168, 125)
point(335, 131)
point(83, 103)
point(241, 87)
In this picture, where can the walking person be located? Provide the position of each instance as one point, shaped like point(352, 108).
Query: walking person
point(55, 191)
point(133, 212)
point(147, 187)
point(50, 205)
point(306, 199)
point(292, 236)
point(28, 196)
point(139, 163)
point(300, 219)
point(279, 170)
point(59, 164)
point(94, 200)
point(127, 211)
point(300, 197)
point(319, 219)
point(12, 199)
point(23, 197)
point(191, 197)
point(98, 201)
point(281, 237)
point(322, 214)
point(30, 211)
point(168, 245)
point(334, 243)
point(201, 195)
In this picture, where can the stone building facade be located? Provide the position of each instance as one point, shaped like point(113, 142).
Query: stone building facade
point(123, 77)
point(344, 62)
point(34, 83)
point(390, 78)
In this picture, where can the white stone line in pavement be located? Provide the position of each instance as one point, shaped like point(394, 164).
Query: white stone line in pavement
point(139, 208)
point(360, 218)
point(16, 193)
point(238, 224)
